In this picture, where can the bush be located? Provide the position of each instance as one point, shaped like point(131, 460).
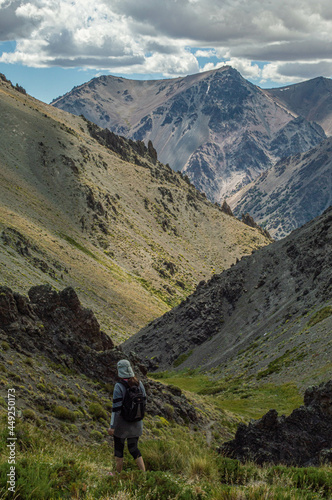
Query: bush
point(29, 414)
point(97, 411)
point(96, 435)
point(169, 410)
point(63, 413)
point(320, 315)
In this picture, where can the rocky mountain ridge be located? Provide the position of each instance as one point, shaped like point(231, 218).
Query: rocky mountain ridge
point(82, 207)
point(311, 99)
point(294, 191)
point(218, 128)
point(266, 317)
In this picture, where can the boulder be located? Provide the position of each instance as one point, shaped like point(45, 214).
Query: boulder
point(304, 438)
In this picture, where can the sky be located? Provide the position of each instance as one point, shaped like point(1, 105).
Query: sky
point(50, 46)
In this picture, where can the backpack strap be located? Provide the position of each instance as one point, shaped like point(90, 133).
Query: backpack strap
point(124, 383)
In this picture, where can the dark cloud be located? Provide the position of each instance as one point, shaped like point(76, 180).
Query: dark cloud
point(95, 62)
point(306, 70)
point(12, 26)
point(286, 51)
point(64, 44)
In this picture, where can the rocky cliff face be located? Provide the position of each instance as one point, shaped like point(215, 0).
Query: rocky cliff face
point(304, 438)
point(216, 127)
point(311, 99)
point(292, 192)
point(262, 317)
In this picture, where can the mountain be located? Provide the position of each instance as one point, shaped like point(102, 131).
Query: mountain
point(82, 207)
point(215, 126)
point(289, 194)
point(267, 318)
point(311, 99)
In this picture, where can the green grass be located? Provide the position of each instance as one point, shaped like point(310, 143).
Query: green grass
point(188, 380)
point(320, 315)
point(80, 247)
point(236, 395)
point(179, 466)
point(182, 358)
point(277, 364)
point(254, 402)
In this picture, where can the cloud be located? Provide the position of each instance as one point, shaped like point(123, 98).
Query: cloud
point(12, 26)
point(153, 36)
point(295, 72)
point(205, 53)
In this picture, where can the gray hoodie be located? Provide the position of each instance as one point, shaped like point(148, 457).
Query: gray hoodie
point(122, 428)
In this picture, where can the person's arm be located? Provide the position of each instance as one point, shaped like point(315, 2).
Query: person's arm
point(143, 390)
point(116, 407)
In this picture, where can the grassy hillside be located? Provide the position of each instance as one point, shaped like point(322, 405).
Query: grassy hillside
point(133, 237)
point(181, 464)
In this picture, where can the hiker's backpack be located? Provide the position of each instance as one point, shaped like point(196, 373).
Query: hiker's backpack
point(133, 405)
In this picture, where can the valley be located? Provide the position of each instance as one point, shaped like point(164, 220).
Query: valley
point(132, 236)
point(106, 253)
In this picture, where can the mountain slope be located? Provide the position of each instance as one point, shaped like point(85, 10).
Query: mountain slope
point(103, 215)
point(218, 128)
point(291, 193)
point(311, 99)
point(268, 317)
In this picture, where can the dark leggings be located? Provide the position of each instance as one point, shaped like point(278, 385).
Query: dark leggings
point(132, 447)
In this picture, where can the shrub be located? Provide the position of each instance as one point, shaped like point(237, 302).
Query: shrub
point(63, 413)
point(74, 399)
point(29, 414)
point(5, 346)
point(169, 410)
point(97, 411)
point(96, 435)
point(320, 315)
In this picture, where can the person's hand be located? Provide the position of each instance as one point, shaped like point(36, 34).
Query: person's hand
point(110, 432)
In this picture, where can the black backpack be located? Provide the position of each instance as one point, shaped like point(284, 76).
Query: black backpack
point(133, 405)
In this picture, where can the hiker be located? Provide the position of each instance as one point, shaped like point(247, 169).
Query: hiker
point(126, 421)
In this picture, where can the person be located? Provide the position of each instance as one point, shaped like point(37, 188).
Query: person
point(121, 429)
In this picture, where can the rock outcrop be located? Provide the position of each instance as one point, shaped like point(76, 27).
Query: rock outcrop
point(56, 325)
point(303, 438)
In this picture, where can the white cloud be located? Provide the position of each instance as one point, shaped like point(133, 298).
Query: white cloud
point(152, 36)
point(205, 53)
